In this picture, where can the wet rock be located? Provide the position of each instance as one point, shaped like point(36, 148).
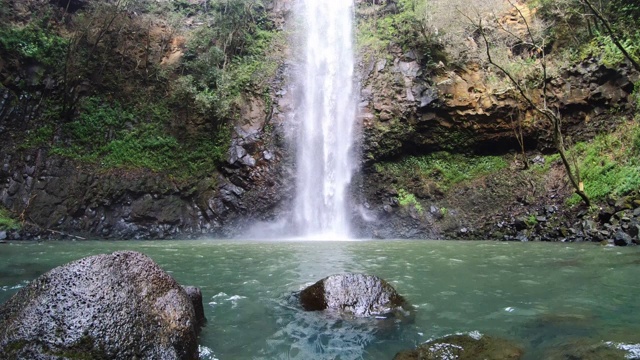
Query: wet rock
point(463, 347)
point(588, 226)
point(117, 306)
point(538, 160)
point(357, 294)
point(634, 232)
point(621, 238)
point(585, 349)
point(3, 235)
point(236, 153)
point(195, 295)
point(624, 203)
point(520, 224)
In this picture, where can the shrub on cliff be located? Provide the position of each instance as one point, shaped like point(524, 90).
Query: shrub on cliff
point(127, 83)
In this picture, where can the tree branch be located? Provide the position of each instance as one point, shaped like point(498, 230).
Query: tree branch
point(612, 34)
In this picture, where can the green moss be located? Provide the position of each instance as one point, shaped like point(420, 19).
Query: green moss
point(113, 136)
point(37, 137)
point(406, 198)
point(445, 169)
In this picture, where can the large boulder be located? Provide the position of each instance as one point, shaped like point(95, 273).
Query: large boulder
point(463, 347)
point(116, 306)
point(357, 294)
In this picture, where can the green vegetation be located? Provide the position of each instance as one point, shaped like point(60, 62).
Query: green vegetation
point(33, 42)
point(531, 220)
point(7, 222)
point(435, 30)
point(406, 198)
point(117, 101)
point(126, 141)
point(586, 28)
point(445, 169)
point(224, 61)
point(405, 27)
point(609, 53)
point(610, 163)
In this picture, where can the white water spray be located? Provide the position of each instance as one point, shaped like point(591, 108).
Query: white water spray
point(326, 113)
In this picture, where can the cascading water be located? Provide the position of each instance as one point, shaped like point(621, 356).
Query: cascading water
point(326, 113)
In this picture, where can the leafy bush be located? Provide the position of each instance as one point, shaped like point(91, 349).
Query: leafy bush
point(531, 220)
point(116, 136)
point(33, 42)
point(7, 222)
point(610, 163)
point(406, 198)
point(609, 53)
point(225, 61)
point(98, 123)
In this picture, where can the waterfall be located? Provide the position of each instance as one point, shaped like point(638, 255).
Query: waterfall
point(326, 111)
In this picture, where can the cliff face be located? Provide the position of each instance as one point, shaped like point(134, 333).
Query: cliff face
point(407, 108)
point(53, 195)
point(414, 108)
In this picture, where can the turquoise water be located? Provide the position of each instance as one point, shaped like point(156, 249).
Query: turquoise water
point(541, 295)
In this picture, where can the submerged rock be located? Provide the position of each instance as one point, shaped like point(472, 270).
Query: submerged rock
point(357, 294)
point(463, 347)
point(586, 349)
point(117, 306)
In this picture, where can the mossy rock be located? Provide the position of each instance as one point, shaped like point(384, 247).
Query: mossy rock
point(584, 349)
point(463, 347)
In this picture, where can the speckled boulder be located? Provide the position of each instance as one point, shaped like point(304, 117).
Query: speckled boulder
point(358, 294)
point(117, 306)
point(463, 347)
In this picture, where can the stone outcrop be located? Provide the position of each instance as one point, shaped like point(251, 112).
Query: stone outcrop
point(117, 306)
point(463, 347)
point(57, 197)
point(411, 108)
point(408, 108)
point(356, 294)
